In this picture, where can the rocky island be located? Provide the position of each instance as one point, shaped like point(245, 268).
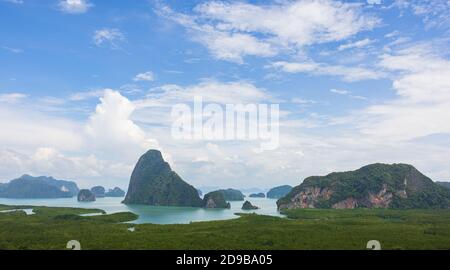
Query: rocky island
point(116, 192)
point(232, 194)
point(215, 199)
point(154, 183)
point(98, 191)
point(249, 206)
point(257, 195)
point(372, 186)
point(85, 195)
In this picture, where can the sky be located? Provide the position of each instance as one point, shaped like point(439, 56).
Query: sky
point(87, 86)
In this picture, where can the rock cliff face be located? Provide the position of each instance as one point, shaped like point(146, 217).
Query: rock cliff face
point(154, 183)
point(215, 199)
point(372, 186)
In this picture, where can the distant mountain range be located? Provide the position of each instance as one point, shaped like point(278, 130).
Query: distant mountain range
point(41, 187)
point(444, 184)
point(279, 192)
point(29, 187)
point(374, 186)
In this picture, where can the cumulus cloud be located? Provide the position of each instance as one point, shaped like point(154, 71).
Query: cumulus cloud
point(74, 6)
point(104, 148)
point(111, 131)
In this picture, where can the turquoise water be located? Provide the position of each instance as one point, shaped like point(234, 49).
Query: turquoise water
point(156, 214)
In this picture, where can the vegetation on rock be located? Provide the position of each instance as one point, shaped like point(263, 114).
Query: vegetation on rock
point(249, 206)
point(257, 195)
point(154, 183)
point(85, 195)
point(372, 186)
point(232, 194)
point(116, 192)
point(98, 191)
point(215, 199)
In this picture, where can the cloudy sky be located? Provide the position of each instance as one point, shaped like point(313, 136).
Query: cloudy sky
point(87, 86)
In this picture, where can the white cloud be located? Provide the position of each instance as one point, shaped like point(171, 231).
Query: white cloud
point(146, 76)
point(349, 74)
point(434, 13)
point(28, 128)
point(209, 91)
point(12, 50)
point(233, 30)
point(78, 96)
point(357, 44)
point(339, 92)
point(423, 104)
point(233, 46)
point(17, 2)
point(347, 93)
point(12, 97)
point(85, 170)
point(103, 149)
point(108, 35)
point(374, 2)
point(111, 131)
point(74, 6)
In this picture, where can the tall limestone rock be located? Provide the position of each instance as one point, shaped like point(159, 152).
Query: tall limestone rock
point(154, 183)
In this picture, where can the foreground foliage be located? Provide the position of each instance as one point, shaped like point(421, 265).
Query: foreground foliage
point(51, 228)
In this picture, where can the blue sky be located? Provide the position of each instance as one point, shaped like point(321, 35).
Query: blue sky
point(86, 86)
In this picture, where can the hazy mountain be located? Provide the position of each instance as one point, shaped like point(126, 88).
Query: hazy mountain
point(279, 192)
point(29, 187)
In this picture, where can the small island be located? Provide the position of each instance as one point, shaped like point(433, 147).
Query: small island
point(98, 191)
point(232, 194)
point(215, 199)
point(85, 195)
point(115, 192)
point(249, 206)
point(257, 195)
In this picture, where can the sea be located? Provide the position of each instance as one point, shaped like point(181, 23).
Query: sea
point(156, 214)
